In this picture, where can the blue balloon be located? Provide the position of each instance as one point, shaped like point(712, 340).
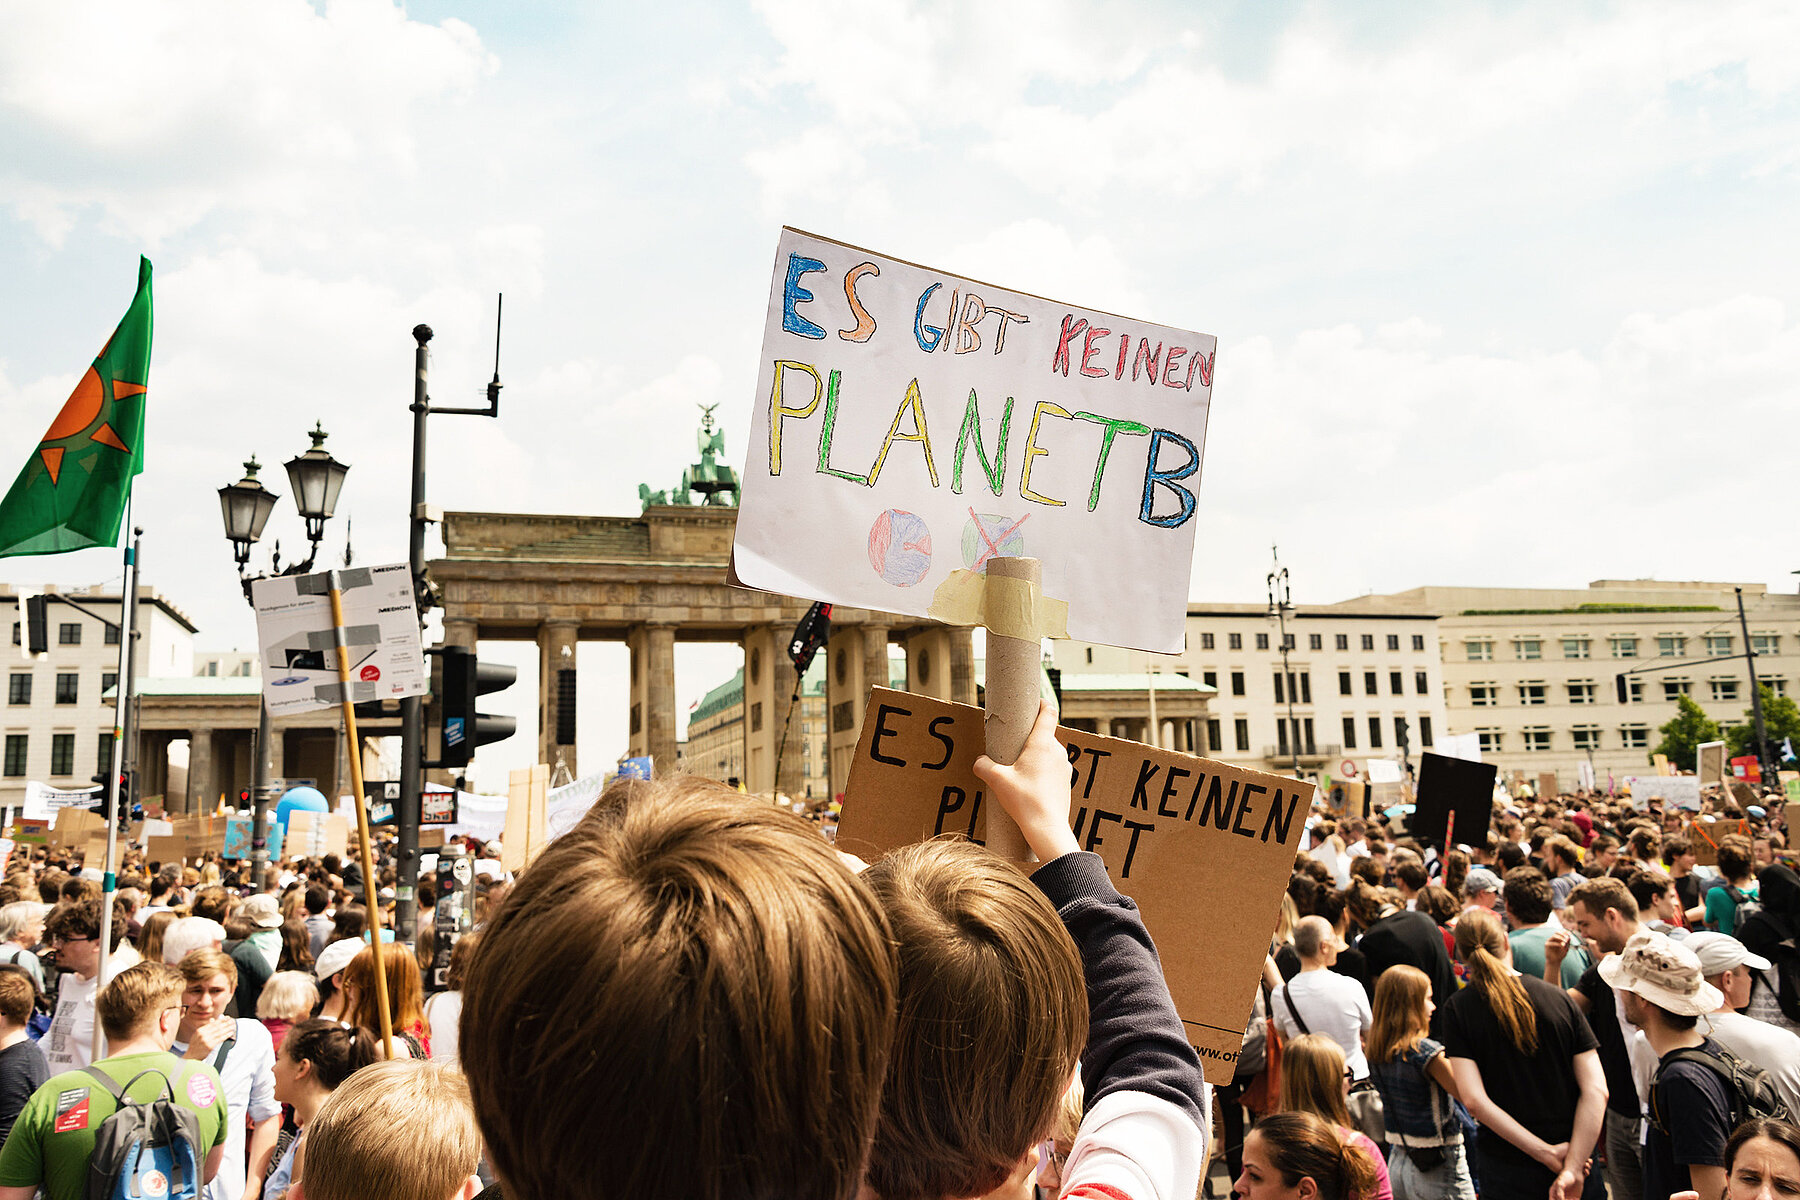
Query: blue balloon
point(299, 799)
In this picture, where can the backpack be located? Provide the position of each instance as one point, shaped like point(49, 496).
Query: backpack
point(147, 1150)
point(1747, 905)
point(1752, 1089)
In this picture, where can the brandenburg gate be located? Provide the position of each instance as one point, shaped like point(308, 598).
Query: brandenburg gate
point(651, 581)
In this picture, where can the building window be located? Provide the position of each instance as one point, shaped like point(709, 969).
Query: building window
point(68, 633)
point(103, 759)
point(1528, 649)
point(1237, 683)
point(1315, 641)
point(1344, 685)
point(1306, 687)
point(18, 642)
point(1349, 733)
point(1581, 691)
point(1210, 678)
point(1623, 647)
point(1371, 684)
point(108, 681)
point(1374, 733)
point(1421, 683)
point(67, 688)
point(212, 668)
point(1393, 641)
point(1634, 691)
point(1490, 740)
point(1777, 686)
point(1670, 645)
point(1479, 649)
point(1090, 656)
point(1576, 647)
point(243, 669)
point(1241, 727)
point(1306, 724)
point(1343, 639)
point(1206, 641)
point(1281, 741)
point(1484, 695)
point(1634, 737)
point(1235, 641)
point(18, 689)
point(1765, 643)
point(1262, 641)
point(1288, 642)
point(112, 635)
point(1586, 737)
point(1536, 740)
point(1425, 731)
point(1724, 689)
point(62, 754)
point(16, 745)
point(1418, 642)
point(1536, 692)
point(1215, 735)
point(1368, 641)
point(1396, 683)
point(1280, 692)
point(1673, 688)
point(1718, 643)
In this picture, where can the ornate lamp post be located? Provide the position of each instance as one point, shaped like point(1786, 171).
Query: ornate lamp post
point(1280, 605)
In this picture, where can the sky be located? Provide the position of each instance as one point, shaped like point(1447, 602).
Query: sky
point(1504, 293)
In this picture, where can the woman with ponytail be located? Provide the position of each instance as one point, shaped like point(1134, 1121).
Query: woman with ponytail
point(1300, 1156)
point(316, 1056)
point(1315, 1079)
point(1526, 1065)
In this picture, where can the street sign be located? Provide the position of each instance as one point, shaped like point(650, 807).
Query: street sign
point(297, 646)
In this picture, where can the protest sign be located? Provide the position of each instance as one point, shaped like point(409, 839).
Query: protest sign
point(316, 834)
point(1204, 848)
point(910, 424)
point(1460, 745)
point(1747, 768)
point(1548, 788)
point(1682, 791)
point(73, 826)
point(1453, 785)
point(1710, 764)
point(526, 812)
point(297, 647)
point(43, 802)
point(238, 842)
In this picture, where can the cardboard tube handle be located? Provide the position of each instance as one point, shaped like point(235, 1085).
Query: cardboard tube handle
point(1013, 665)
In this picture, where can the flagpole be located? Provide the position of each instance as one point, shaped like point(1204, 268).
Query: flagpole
point(110, 881)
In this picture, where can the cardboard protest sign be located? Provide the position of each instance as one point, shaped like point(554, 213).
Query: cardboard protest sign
point(910, 424)
point(1679, 791)
point(239, 843)
point(316, 834)
point(1453, 785)
point(298, 648)
point(1204, 849)
point(1747, 767)
point(1709, 758)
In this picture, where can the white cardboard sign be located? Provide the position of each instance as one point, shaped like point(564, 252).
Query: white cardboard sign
point(1683, 791)
point(294, 636)
point(910, 424)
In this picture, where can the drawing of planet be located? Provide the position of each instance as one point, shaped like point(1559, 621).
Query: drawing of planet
point(900, 547)
point(990, 535)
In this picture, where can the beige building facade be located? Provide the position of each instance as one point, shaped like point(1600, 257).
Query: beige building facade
point(1534, 671)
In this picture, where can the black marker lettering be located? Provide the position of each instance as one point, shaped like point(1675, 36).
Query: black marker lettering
point(881, 731)
point(949, 746)
point(1162, 805)
point(1094, 757)
point(1237, 826)
point(1093, 837)
point(1131, 850)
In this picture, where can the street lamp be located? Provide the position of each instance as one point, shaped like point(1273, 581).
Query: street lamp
point(1280, 605)
point(246, 505)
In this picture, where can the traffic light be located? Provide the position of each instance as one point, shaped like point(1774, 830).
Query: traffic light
point(462, 728)
point(1624, 692)
point(37, 625)
point(1402, 734)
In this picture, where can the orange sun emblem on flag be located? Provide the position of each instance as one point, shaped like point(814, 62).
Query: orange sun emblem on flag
point(86, 421)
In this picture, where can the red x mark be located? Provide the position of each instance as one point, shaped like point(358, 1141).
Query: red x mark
point(993, 547)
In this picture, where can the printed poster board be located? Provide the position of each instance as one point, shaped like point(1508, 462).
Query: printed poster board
point(1453, 785)
point(298, 649)
point(1681, 791)
point(1710, 764)
point(238, 841)
point(909, 424)
point(1205, 849)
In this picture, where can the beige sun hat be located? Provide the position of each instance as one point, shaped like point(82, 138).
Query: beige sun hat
point(1662, 971)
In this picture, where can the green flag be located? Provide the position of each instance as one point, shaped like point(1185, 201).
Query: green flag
point(71, 493)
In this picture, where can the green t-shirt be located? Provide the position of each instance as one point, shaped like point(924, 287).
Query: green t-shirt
point(1528, 954)
point(54, 1136)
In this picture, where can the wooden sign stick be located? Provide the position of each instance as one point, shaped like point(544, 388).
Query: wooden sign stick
point(1013, 666)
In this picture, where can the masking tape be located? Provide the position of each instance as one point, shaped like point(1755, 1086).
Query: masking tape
point(1009, 607)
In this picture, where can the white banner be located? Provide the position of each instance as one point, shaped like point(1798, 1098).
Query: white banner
point(42, 800)
point(1683, 791)
point(297, 645)
point(910, 424)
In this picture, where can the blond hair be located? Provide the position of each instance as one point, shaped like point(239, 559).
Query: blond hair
point(1401, 1021)
point(982, 954)
point(1482, 945)
point(198, 966)
point(400, 1130)
point(1312, 1078)
point(287, 996)
point(135, 997)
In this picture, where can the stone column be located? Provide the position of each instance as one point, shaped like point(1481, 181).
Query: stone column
point(557, 642)
point(659, 697)
point(637, 742)
point(856, 660)
point(459, 631)
point(929, 666)
point(962, 664)
point(768, 692)
point(202, 796)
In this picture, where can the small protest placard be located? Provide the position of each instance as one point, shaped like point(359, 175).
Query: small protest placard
point(1204, 848)
point(1709, 761)
point(1453, 785)
point(1681, 791)
point(316, 834)
point(44, 803)
point(298, 648)
point(238, 842)
point(910, 424)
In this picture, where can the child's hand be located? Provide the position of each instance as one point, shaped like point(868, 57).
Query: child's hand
point(1035, 790)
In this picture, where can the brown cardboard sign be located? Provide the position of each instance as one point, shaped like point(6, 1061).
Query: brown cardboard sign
point(1205, 849)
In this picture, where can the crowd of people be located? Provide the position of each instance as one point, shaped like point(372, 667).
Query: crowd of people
point(693, 995)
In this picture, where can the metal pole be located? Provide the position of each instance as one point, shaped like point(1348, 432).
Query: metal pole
point(1762, 736)
point(110, 880)
point(1155, 738)
point(259, 798)
point(412, 711)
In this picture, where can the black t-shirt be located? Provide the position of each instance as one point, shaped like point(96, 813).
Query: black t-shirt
point(1537, 1090)
point(1615, 1055)
point(1695, 1107)
point(23, 1070)
point(1408, 939)
point(1687, 890)
point(1352, 965)
point(1287, 961)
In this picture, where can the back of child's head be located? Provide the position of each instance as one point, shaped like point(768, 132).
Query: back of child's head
point(993, 1015)
point(685, 997)
point(400, 1130)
